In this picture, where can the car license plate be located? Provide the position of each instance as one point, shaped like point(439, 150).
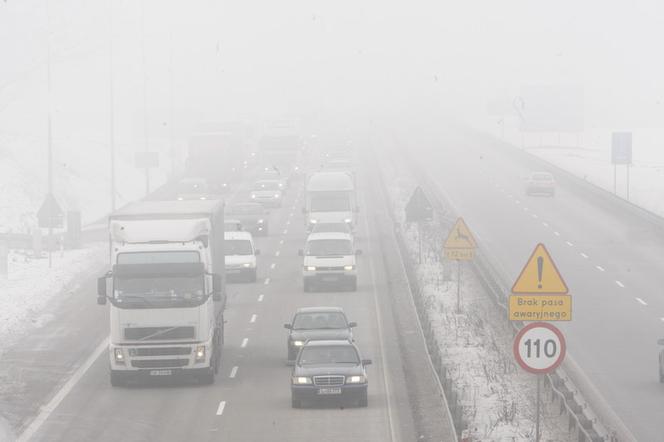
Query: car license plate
point(330, 278)
point(233, 271)
point(325, 391)
point(161, 372)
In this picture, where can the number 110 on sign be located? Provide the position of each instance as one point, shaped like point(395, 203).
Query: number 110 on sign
point(539, 347)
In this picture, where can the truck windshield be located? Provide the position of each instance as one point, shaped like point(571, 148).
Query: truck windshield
point(246, 209)
point(237, 247)
point(158, 257)
point(266, 185)
point(329, 247)
point(330, 202)
point(162, 291)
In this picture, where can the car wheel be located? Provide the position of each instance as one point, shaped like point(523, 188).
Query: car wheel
point(117, 380)
point(364, 401)
point(296, 403)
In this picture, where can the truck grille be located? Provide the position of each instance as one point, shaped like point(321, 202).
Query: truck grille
point(160, 363)
point(330, 268)
point(329, 381)
point(159, 333)
point(160, 351)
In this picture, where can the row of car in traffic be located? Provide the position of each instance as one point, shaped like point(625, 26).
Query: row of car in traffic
point(327, 364)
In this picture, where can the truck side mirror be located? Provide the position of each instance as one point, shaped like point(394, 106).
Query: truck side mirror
point(287, 326)
point(217, 287)
point(366, 361)
point(101, 287)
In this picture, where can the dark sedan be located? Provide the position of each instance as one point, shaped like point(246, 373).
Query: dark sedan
point(327, 370)
point(317, 323)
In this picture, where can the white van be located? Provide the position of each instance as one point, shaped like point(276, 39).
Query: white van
point(330, 198)
point(329, 258)
point(240, 256)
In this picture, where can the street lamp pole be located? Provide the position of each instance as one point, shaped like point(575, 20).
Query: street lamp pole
point(49, 130)
point(111, 92)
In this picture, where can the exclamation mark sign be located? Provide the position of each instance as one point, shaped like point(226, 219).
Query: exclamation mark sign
point(540, 269)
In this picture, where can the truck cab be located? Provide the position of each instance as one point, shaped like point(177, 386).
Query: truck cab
point(166, 290)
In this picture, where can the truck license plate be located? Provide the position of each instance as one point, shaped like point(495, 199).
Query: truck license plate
point(329, 391)
point(161, 372)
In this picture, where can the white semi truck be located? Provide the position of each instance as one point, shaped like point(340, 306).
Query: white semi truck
point(330, 198)
point(166, 290)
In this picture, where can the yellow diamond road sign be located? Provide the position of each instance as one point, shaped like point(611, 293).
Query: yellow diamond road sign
point(540, 276)
point(460, 237)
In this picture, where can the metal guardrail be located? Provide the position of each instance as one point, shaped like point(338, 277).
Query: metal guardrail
point(568, 383)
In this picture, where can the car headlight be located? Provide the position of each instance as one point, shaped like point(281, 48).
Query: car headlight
point(199, 354)
point(310, 268)
point(260, 221)
point(313, 221)
point(298, 343)
point(119, 356)
point(348, 220)
point(253, 196)
point(203, 198)
point(246, 264)
point(180, 198)
point(277, 195)
point(361, 379)
point(301, 380)
point(349, 267)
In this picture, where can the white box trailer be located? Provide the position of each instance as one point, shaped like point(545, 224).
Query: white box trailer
point(330, 198)
point(166, 289)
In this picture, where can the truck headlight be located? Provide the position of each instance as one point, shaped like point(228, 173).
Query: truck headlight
point(349, 267)
point(277, 195)
point(203, 198)
point(246, 264)
point(199, 354)
point(313, 221)
point(301, 380)
point(260, 221)
point(253, 196)
point(348, 220)
point(118, 354)
point(310, 268)
point(298, 343)
point(361, 379)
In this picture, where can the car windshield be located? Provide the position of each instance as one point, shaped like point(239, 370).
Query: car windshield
point(542, 177)
point(238, 247)
point(331, 227)
point(245, 209)
point(158, 291)
point(192, 187)
point(328, 354)
point(266, 185)
point(329, 247)
point(319, 320)
point(232, 227)
point(330, 202)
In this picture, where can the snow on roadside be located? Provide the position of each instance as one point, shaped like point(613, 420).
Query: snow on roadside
point(31, 285)
point(497, 398)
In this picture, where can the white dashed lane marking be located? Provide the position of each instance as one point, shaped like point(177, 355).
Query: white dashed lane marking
point(267, 281)
point(273, 265)
point(233, 372)
point(220, 409)
point(556, 233)
point(245, 341)
point(620, 284)
point(545, 224)
point(253, 318)
point(600, 268)
point(583, 255)
point(641, 301)
point(260, 298)
point(277, 253)
point(569, 243)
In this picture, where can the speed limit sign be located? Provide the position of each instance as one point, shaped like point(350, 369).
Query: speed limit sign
point(539, 347)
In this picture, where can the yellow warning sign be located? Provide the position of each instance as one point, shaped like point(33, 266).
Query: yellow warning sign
point(460, 237)
point(540, 276)
point(540, 308)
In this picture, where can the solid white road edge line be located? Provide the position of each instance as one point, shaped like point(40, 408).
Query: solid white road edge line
point(220, 409)
point(49, 408)
point(379, 328)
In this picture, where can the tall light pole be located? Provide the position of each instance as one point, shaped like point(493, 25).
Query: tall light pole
point(49, 130)
point(111, 92)
point(145, 96)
